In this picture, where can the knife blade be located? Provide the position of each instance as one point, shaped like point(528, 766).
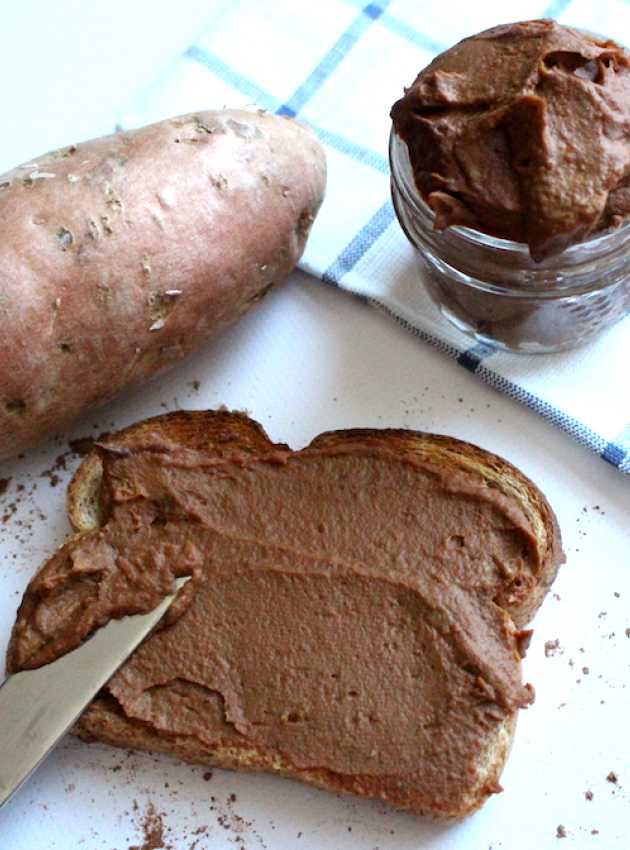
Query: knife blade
point(38, 706)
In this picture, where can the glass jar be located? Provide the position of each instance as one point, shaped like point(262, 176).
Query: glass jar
point(493, 291)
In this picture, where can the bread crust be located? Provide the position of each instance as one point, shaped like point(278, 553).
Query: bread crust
point(104, 722)
point(222, 433)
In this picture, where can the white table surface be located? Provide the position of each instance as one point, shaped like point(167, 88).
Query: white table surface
point(307, 360)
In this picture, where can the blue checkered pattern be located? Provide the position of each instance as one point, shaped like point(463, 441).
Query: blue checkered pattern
point(339, 68)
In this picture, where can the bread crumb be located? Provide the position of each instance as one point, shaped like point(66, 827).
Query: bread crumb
point(612, 777)
point(81, 445)
point(153, 828)
point(561, 831)
point(551, 646)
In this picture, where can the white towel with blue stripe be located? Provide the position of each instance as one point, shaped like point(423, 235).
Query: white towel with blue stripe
point(338, 65)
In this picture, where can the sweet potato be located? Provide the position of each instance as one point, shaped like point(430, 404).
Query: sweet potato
point(121, 255)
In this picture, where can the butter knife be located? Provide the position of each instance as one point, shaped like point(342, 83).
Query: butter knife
point(38, 706)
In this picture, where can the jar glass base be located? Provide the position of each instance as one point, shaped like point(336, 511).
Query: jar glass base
point(523, 347)
point(524, 325)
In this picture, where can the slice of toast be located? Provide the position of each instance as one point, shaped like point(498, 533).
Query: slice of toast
point(362, 514)
point(220, 432)
point(215, 431)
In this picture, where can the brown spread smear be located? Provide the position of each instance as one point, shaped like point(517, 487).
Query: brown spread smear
point(523, 132)
point(342, 615)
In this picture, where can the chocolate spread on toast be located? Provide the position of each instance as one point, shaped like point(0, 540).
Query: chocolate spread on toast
point(347, 608)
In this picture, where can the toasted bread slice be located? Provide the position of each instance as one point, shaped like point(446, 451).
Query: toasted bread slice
point(103, 721)
point(214, 431)
point(219, 432)
point(277, 534)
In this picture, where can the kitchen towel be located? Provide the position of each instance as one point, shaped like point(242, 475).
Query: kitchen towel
point(338, 65)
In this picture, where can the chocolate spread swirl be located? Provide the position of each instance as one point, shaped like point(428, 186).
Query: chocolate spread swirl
point(523, 132)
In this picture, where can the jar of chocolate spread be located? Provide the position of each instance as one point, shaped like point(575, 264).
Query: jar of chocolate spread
point(510, 175)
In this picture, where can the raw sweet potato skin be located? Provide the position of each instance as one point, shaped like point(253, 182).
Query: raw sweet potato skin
point(121, 255)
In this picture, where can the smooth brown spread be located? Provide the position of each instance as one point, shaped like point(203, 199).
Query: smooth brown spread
point(342, 613)
point(523, 132)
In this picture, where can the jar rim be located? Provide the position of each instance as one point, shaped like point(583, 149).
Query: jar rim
point(597, 245)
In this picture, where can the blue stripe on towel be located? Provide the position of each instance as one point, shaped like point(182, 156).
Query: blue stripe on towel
point(331, 60)
point(471, 358)
point(233, 78)
point(405, 30)
point(354, 151)
point(267, 101)
point(424, 42)
point(582, 433)
point(360, 245)
point(614, 454)
point(617, 451)
point(440, 344)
